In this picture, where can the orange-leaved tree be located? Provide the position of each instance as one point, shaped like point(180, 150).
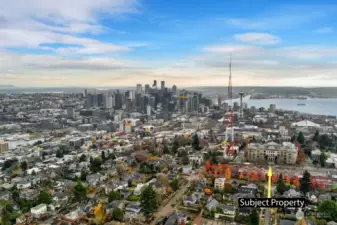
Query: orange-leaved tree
point(296, 183)
point(254, 175)
point(286, 180)
point(228, 173)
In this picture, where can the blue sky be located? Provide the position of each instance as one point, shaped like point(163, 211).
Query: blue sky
point(187, 43)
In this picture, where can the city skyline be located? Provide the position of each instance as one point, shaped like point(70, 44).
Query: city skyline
point(122, 43)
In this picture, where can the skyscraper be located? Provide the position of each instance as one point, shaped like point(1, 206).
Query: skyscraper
point(139, 89)
point(174, 90)
point(147, 88)
point(162, 87)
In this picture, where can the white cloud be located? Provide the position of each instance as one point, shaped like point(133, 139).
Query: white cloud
point(324, 30)
point(38, 22)
point(257, 38)
point(235, 49)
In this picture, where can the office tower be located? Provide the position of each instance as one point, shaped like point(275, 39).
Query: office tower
point(152, 102)
point(108, 102)
point(219, 100)
point(90, 100)
point(162, 86)
point(95, 101)
point(195, 103)
point(148, 110)
point(128, 105)
point(118, 100)
point(100, 100)
point(174, 90)
point(272, 108)
point(139, 89)
point(241, 106)
point(154, 84)
point(71, 113)
point(147, 88)
point(85, 93)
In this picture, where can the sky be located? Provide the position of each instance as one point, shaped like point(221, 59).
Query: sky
point(99, 43)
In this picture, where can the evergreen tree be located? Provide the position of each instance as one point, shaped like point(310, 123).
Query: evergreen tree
point(185, 160)
point(103, 156)
point(196, 143)
point(305, 182)
point(301, 139)
point(175, 146)
point(114, 195)
point(253, 217)
point(117, 214)
point(322, 159)
point(316, 136)
point(149, 201)
point(83, 175)
point(166, 149)
point(329, 207)
point(45, 198)
point(80, 191)
point(280, 185)
point(24, 166)
point(59, 153)
point(95, 165)
point(83, 158)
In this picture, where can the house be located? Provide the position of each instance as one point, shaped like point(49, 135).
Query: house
point(60, 198)
point(212, 204)
point(316, 154)
point(176, 217)
point(38, 210)
point(219, 183)
point(324, 197)
point(225, 210)
point(5, 196)
point(139, 189)
point(291, 193)
point(125, 192)
point(24, 184)
point(249, 189)
point(29, 194)
point(133, 209)
point(93, 179)
point(187, 169)
point(74, 216)
point(244, 211)
point(287, 222)
point(190, 200)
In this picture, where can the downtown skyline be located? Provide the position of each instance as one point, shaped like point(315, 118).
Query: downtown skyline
point(121, 43)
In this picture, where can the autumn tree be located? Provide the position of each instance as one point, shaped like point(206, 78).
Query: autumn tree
point(254, 175)
point(241, 175)
point(263, 177)
point(163, 180)
point(141, 156)
point(274, 178)
point(286, 180)
point(296, 182)
point(228, 173)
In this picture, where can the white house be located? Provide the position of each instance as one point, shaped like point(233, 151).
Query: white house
point(38, 210)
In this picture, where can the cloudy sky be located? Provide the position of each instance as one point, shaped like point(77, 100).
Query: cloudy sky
point(187, 43)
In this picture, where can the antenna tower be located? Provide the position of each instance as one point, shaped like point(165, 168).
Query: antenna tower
point(229, 116)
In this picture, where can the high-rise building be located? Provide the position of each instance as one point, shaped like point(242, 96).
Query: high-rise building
point(108, 102)
point(118, 100)
point(147, 88)
point(139, 89)
point(162, 86)
point(3, 147)
point(154, 84)
point(85, 93)
point(90, 100)
point(272, 108)
point(148, 110)
point(174, 90)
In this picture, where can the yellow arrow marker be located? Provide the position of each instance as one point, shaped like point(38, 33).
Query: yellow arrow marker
point(270, 174)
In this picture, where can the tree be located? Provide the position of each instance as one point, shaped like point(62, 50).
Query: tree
point(300, 156)
point(254, 175)
point(117, 214)
point(83, 158)
point(5, 218)
point(293, 138)
point(296, 183)
point(286, 180)
point(316, 136)
point(103, 156)
point(280, 187)
point(141, 156)
point(228, 173)
point(59, 153)
point(301, 139)
point(80, 191)
point(305, 182)
point(322, 159)
point(149, 201)
point(163, 180)
point(24, 166)
point(185, 160)
point(95, 165)
point(45, 197)
point(84, 175)
point(253, 217)
point(166, 149)
point(114, 195)
point(329, 207)
point(196, 143)
point(174, 184)
point(175, 146)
